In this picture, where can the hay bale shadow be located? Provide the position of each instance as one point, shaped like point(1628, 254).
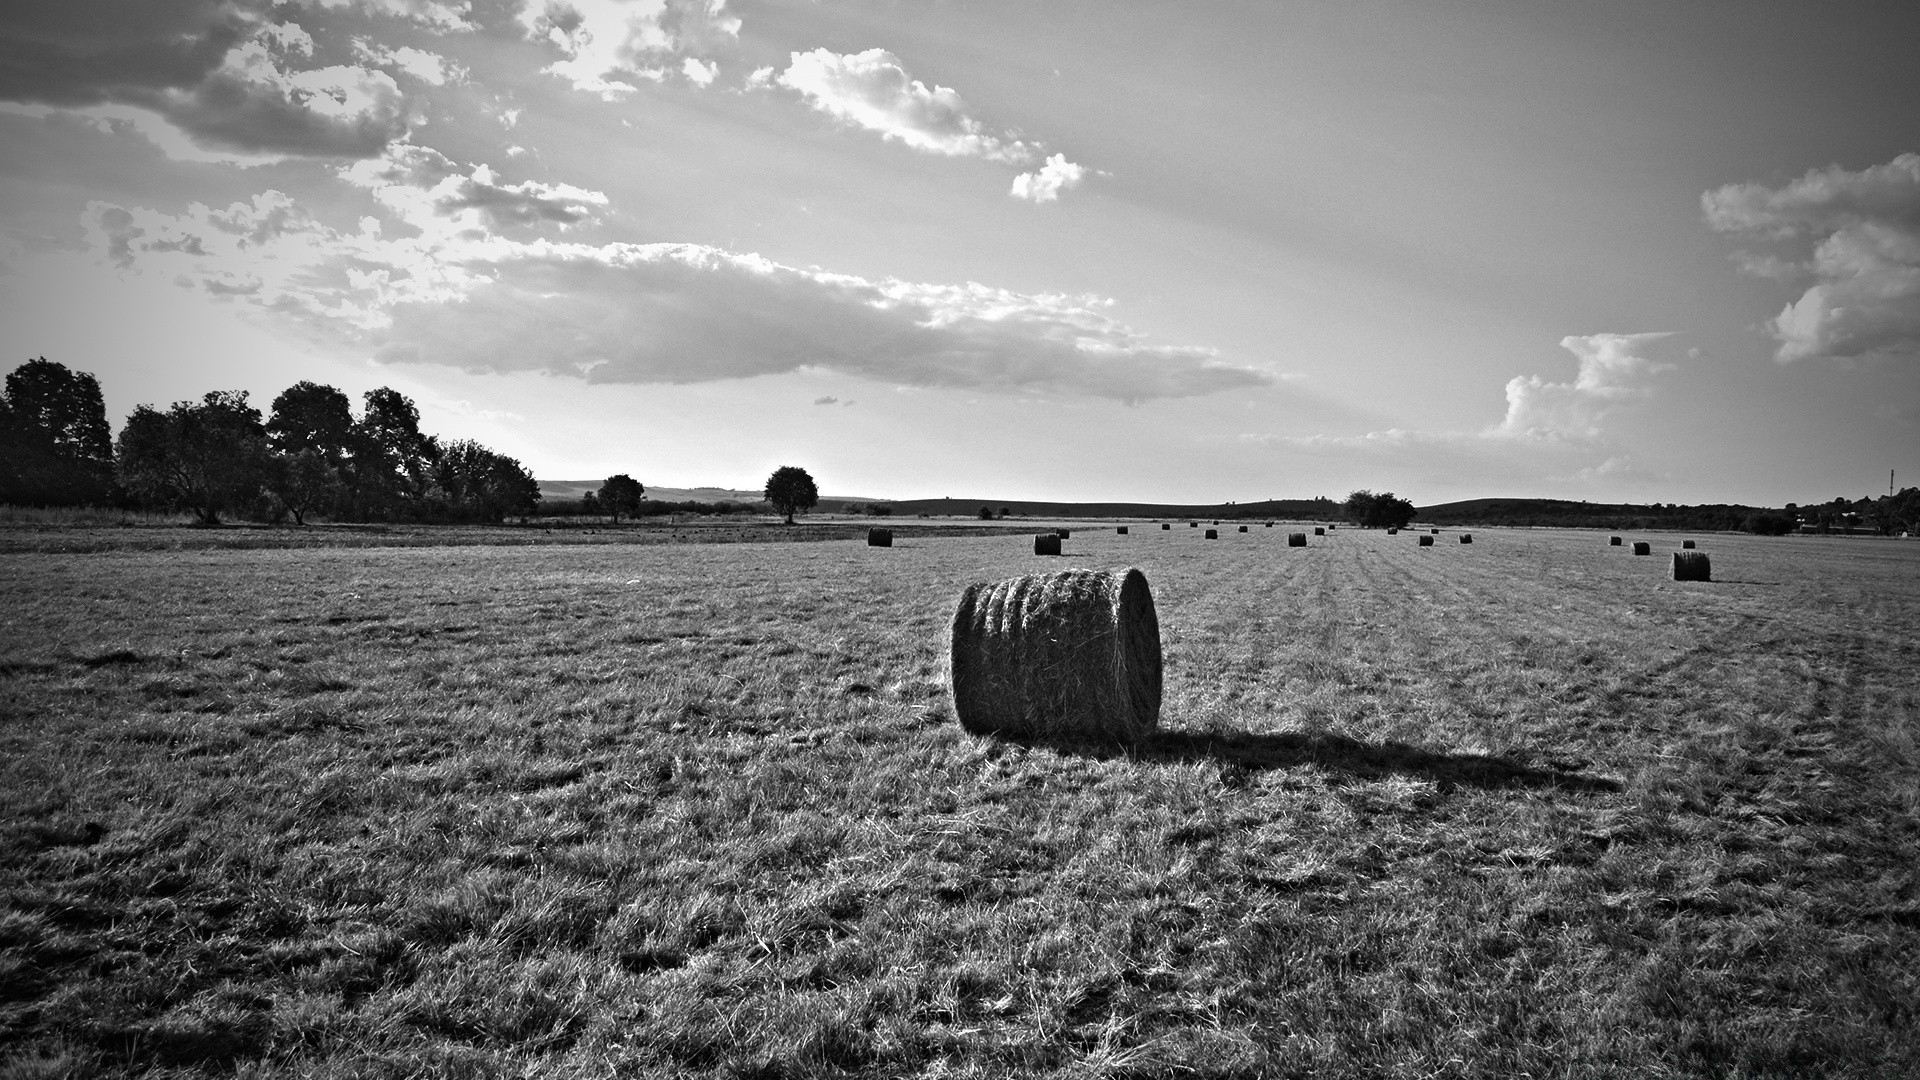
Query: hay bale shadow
point(1353, 758)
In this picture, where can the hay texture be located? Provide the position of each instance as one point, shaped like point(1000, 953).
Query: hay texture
point(1687, 544)
point(1692, 566)
point(1120, 530)
point(879, 537)
point(1426, 540)
point(1296, 539)
point(1641, 547)
point(1466, 538)
point(1613, 541)
point(1046, 544)
point(1213, 534)
point(1074, 654)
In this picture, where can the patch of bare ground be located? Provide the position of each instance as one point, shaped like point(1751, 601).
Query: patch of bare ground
point(1519, 808)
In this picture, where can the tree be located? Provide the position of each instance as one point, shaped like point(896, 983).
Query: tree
point(1382, 511)
point(309, 416)
point(207, 456)
point(479, 483)
point(619, 494)
point(986, 513)
point(790, 490)
point(55, 445)
point(303, 482)
point(392, 461)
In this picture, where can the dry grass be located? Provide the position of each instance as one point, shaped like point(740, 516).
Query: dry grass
point(582, 811)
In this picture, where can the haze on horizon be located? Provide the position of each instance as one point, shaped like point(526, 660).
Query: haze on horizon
point(1179, 253)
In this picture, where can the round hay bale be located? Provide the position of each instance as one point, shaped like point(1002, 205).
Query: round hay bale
point(1466, 538)
point(1426, 540)
point(1073, 654)
point(1120, 529)
point(1641, 547)
point(1687, 544)
point(1393, 532)
point(1193, 524)
point(1243, 528)
point(1213, 534)
point(1692, 566)
point(1269, 524)
point(1064, 534)
point(1296, 539)
point(1613, 541)
point(1046, 544)
point(1436, 532)
point(1164, 526)
point(879, 537)
point(1318, 531)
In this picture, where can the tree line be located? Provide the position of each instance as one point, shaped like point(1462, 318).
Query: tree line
point(220, 456)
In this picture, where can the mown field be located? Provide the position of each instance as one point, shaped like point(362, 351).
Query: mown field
point(1520, 808)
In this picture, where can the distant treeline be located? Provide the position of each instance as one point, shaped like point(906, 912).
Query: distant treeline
point(593, 507)
point(219, 456)
point(1886, 515)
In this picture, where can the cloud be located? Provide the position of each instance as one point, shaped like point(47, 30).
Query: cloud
point(608, 46)
point(431, 14)
point(872, 90)
point(430, 68)
point(211, 76)
point(1856, 234)
point(1057, 175)
point(458, 293)
point(1612, 370)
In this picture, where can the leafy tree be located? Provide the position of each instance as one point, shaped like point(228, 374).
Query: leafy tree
point(1382, 511)
point(986, 513)
point(482, 484)
point(590, 504)
point(55, 445)
point(207, 456)
point(303, 482)
point(620, 494)
point(392, 460)
point(309, 416)
point(790, 490)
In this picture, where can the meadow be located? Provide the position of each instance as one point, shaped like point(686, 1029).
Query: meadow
point(1521, 808)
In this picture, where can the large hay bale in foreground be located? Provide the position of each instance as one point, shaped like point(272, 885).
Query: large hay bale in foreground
point(1073, 654)
point(1213, 534)
point(1641, 547)
point(1613, 541)
point(1466, 538)
point(879, 537)
point(1687, 544)
point(1318, 531)
point(1426, 540)
point(1046, 544)
point(1120, 529)
point(1692, 566)
point(1296, 539)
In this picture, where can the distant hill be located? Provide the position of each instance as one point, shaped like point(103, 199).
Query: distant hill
point(1565, 513)
point(1310, 509)
point(573, 489)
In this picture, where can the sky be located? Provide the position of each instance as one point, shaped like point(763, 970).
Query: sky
point(1175, 252)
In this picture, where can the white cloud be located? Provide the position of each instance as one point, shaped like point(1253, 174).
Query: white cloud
point(1863, 231)
point(427, 13)
point(1057, 175)
point(608, 44)
point(430, 68)
point(459, 293)
point(697, 73)
point(872, 90)
point(1612, 370)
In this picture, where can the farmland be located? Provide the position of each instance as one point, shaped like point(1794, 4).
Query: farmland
point(1524, 807)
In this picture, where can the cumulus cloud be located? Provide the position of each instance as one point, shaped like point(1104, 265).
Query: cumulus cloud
point(1057, 175)
point(607, 45)
point(432, 14)
point(454, 291)
point(221, 77)
point(430, 68)
point(872, 90)
point(1855, 235)
point(1613, 370)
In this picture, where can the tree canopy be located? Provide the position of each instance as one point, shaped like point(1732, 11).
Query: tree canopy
point(55, 446)
point(790, 490)
point(1382, 511)
point(620, 494)
point(206, 456)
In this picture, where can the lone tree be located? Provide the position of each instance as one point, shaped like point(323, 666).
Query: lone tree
point(790, 490)
point(620, 494)
point(1382, 511)
point(55, 446)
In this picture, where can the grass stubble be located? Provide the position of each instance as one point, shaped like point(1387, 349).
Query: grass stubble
point(1525, 808)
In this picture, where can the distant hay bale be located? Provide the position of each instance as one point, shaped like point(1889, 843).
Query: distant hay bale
point(1436, 532)
point(1641, 547)
point(1120, 529)
point(1393, 532)
point(1046, 544)
point(1318, 531)
point(1613, 541)
point(1296, 539)
point(1692, 566)
point(1426, 540)
point(1688, 544)
point(879, 537)
point(1243, 528)
point(1064, 534)
point(1466, 538)
point(1213, 534)
point(1269, 524)
point(1072, 654)
point(1164, 526)
point(1193, 524)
